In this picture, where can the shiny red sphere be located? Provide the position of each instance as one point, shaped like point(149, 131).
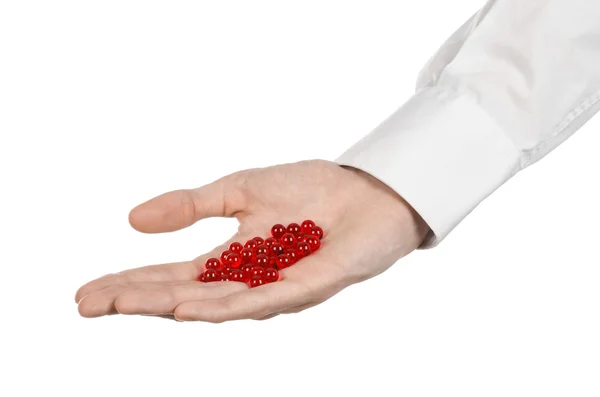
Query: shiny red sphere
point(212, 263)
point(202, 277)
point(293, 254)
point(260, 250)
point(236, 247)
point(302, 250)
point(246, 255)
point(260, 260)
point(271, 275)
point(270, 241)
point(288, 240)
point(307, 226)
point(212, 275)
point(259, 240)
point(276, 249)
point(251, 244)
point(224, 256)
point(293, 228)
point(277, 231)
point(236, 275)
point(283, 261)
point(233, 260)
point(317, 232)
point(258, 271)
point(256, 282)
point(314, 243)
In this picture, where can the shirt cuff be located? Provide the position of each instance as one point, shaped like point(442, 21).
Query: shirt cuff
point(442, 153)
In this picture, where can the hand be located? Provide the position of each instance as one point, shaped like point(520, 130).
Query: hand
point(368, 227)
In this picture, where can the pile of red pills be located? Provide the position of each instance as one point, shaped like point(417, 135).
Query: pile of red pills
point(259, 260)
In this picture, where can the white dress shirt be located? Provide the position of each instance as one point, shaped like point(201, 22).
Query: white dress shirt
point(509, 86)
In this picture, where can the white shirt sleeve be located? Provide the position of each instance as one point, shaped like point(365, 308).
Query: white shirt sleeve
point(509, 86)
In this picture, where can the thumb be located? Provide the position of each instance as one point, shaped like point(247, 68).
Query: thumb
point(182, 208)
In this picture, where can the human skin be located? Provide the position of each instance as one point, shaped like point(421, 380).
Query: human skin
point(368, 228)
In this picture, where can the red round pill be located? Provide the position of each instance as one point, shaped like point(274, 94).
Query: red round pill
point(271, 275)
point(235, 247)
point(233, 260)
point(212, 275)
point(259, 240)
point(224, 256)
point(258, 271)
point(246, 255)
point(302, 249)
point(313, 242)
point(251, 244)
point(236, 275)
point(260, 260)
point(317, 232)
point(270, 241)
point(256, 282)
point(276, 249)
point(291, 252)
point(260, 250)
point(212, 263)
point(293, 228)
point(288, 240)
point(283, 261)
point(277, 231)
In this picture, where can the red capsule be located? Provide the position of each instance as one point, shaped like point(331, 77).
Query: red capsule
point(258, 271)
point(260, 260)
point(271, 275)
point(233, 260)
point(246, 272)
point(314, 243)
point(236, 275)
point(288, 240)
point(236, 247)
point(246, 255)
point(251, 244)
point(270, 241)
point(212, 275)
point(283, 261)
point(302, 250)
point(317, 232)
point(259, 240)
point(212, 263)
point(260, 250)
point(293, 228)
point(202, 278)
point(276, 249)
point(291, 252)
point(277, 231)
point(224, 256)
point(256, 282)
point(307, 226)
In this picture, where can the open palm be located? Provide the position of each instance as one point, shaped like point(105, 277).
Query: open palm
point(368, 228)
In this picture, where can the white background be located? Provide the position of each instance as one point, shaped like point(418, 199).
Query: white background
point(106, 104)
